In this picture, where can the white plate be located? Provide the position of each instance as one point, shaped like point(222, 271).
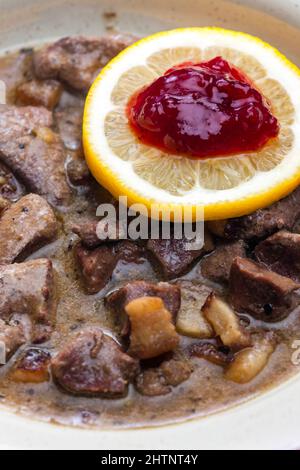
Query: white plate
point(271, 421)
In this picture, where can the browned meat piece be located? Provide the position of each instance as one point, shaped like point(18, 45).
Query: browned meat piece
point(16, 121)
point(69, 122)
point(216, 266)
point(129, 251)
point(78, 60)
point(152, 331)
point(170, 295)
point(27, 224)
point(281, 215)
point(12, 336)
point(14, 70)
point(87, 231)
point(33, 151)
point(264, 294)
point(159, 380)
point(211, 353)
point(78, 172)
point(190, 321)
point(4, 204)
point(92, 232)
point(281, 253)
point(152, 383)
point(39, 93)
point(32, 366)
point(173, 257)
point(217, 227)
point(176, 369)
point(28, 289)
point(10, 188)
point(96, 266)
point(92, 363)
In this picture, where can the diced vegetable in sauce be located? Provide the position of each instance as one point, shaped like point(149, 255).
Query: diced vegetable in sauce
point(225, 323)
point(190, 320)
point(249, 362)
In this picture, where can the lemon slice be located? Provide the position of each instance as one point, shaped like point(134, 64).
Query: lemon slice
point(224, 187)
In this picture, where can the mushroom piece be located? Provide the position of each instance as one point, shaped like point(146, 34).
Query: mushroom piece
point(190, 320)
point(249, 362)
point(225, 323)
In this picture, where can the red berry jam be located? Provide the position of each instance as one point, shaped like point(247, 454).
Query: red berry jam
point(202, 110)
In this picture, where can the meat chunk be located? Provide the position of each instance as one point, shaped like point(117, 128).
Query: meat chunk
point(152, 383)
point(32, 366)
point(39, 93)
point(95, 232)
point(216, 266)
point(69, 122)
point(78, 172)
point(28, 223)
point(159, 380)
point(78, 60)
point(12, 336)
point(14, 70)
point(92, 363)
point(217, 227)
point(4, 204)
point(173, 256)
point(16, 121)
point(10, 188)
point(130, 252)
point(152, 331)
point(176, 370)
point(190, 320)
point(225, 323)
point(87, 231)
point(28, 289)
point(211, 353)
point(96, 266)
point(263, 222)
point(261, 293)
point(281, 253)
point(170, 295)
point(33, 151)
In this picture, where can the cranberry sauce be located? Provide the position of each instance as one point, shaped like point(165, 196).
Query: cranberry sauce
point(202, 110)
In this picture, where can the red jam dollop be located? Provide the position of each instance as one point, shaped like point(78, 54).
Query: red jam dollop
point(202, 110)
